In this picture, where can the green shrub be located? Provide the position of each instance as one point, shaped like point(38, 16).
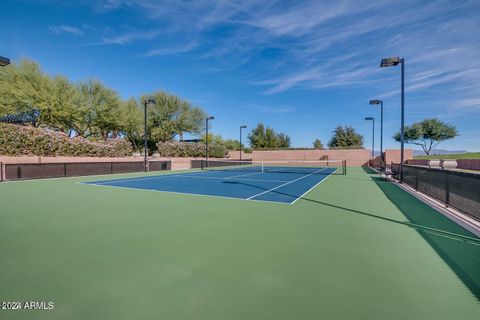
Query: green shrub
point(16, 140)
point(187, 149)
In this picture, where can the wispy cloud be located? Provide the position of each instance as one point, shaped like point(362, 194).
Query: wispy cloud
point(271, 109)
point(129, 37)
point(321, 44)
point(62, 29)
point(172, 50)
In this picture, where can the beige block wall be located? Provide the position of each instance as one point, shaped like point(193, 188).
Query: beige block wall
point(393, 155)
point(354, 157)
point(235, 155)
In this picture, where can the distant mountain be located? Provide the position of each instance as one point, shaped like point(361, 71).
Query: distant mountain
point(437, 152)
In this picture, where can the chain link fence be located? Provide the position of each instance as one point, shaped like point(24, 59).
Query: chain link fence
point(460, 190)
point(21, 171)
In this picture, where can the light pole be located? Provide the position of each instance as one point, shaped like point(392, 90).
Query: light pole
point(380, 102)
point(206, 138)
point(390, 62)
point(373, 135)
point(241, 127)
point(145, 102)
point(4, 61)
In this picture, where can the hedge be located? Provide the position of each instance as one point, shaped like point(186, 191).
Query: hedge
point(18, 140)
point(187, 149)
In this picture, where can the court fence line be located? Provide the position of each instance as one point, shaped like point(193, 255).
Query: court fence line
point(25, 171)
point(460, 190)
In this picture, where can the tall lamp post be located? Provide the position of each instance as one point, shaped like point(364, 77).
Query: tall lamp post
point(241, 127)
point(145, 103)
point(373, 135)
point(4, 61)
point(206, 138)
point(390, 62)
point(380, 102)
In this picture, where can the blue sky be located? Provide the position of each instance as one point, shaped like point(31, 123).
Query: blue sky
point(301, 67)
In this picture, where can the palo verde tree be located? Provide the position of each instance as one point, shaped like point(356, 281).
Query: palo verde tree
point(317, 144)
point(345, 137)
point(170, 116)
point(428, 133)
point(131, 118)
point(24, 88)
point(212, 138)
point(262, 137)
point(98, 111)
point(283, 140)
point(92, 110)
point(232, 144)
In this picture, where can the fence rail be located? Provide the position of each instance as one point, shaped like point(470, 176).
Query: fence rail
point(21, 171)
point(460, 190)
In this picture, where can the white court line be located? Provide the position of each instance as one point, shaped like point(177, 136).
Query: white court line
point(242, 175)
point(282, 185)
point(178, 175)
point(229, 178)
point(298, 198)
point(185, 193)
point(142, 177)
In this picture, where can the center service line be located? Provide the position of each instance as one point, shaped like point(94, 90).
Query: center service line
point(282, 185)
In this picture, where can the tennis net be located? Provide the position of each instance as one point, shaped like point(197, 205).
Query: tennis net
point(288, 166)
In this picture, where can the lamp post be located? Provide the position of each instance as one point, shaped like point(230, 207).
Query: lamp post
point(145, 103)
point(373, 135)
point(380, 102)
point(4, 61)
point(206, 138)
point(241, 127)
point(390, 62)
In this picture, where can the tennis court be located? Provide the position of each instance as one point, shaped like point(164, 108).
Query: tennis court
point(279, 181)
point(353, 247)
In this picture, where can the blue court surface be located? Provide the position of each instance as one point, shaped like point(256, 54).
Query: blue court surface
point(283, 185)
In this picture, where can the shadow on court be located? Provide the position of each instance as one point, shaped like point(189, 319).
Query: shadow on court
point(463, 257)
point(458, 247)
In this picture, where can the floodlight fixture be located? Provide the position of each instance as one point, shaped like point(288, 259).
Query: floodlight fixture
point(380, 102)
point(241, 127)
point(206, 138)
point(390, 62)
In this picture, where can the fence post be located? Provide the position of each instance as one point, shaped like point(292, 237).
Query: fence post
point(111, 167)
point(447, 189)
point(416, 179)
point(64, 169)
point(1, 171)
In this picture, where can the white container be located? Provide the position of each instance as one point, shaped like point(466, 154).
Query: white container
point(434, 163)
point(449, 164)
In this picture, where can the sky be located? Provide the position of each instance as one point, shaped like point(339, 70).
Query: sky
point(300, 67)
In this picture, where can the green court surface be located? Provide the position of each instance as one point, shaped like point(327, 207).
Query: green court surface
point(355, 247)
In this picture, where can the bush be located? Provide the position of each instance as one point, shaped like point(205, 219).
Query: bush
point(187, 149)
point(16, 140)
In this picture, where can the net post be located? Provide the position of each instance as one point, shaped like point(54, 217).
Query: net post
point(263, 170)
